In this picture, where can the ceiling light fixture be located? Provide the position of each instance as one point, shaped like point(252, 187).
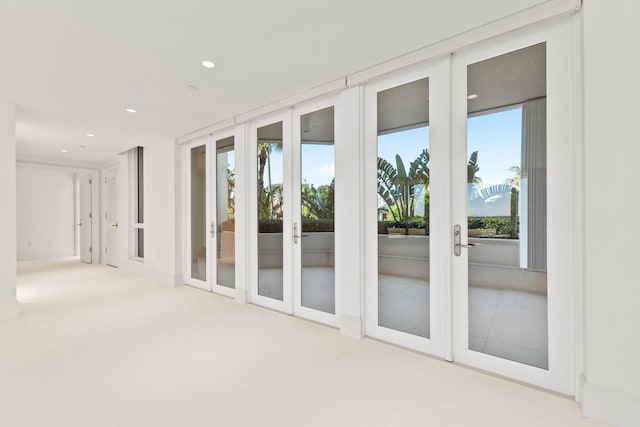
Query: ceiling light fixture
point(130, 110)
point(472, 96)
point(83, 146)
point(64, 151)
point(193, 87)
point(90, 135)
point(208, 64)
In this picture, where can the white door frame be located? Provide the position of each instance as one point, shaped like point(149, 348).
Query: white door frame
point(560, 204)
point(437, 72)
point(298, 309)
point(188, 279)
point(85, 219)
point(111, 253)
point(213, 209)
point(286, 305)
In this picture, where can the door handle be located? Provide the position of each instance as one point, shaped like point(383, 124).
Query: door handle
point(457, 241)
point(296, 236)
point(212, 230)
point(115, 225)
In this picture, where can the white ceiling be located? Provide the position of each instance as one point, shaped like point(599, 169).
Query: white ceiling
point(73, 66)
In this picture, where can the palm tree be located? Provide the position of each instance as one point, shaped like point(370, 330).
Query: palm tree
point(265, 149)
point(396, 185)
point(473, 169)
point(514, 181)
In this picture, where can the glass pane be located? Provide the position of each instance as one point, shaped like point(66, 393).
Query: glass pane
point(270, 185)
point(225, 211)
point(403, 208)
point(318, 154)
point(198, 213)
point(139, 242)
point(506, 186)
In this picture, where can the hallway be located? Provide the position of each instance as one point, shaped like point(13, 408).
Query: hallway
point(98, 346)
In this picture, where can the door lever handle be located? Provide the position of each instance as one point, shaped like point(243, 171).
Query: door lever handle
point(457, 241)
point(296, 236)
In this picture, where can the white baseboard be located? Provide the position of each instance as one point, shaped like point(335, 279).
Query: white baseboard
point(351, 325)
point(242, 296)
point(9, 310)
point(611, 406)
point(41, 256)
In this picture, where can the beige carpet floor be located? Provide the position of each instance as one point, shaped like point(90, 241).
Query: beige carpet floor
point(95, 346)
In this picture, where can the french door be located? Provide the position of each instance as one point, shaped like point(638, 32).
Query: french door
point(210, 261)
point(292, 211)
point(466, 220)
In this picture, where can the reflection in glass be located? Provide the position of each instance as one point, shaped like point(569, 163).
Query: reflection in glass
point(198, 213)
point(403, 208)
point(225, 211)
point(317, 190)
point(506, 184)
point(270, 188)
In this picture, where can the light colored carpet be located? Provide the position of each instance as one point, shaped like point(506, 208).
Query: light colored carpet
point(99, 347)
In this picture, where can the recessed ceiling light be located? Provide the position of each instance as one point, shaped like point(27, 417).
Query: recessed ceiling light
point(208, 64)
point(472, 96)
point(130, 110)
point(193, 87)
point(83, 146)
point(90, 135)
point(64, 151)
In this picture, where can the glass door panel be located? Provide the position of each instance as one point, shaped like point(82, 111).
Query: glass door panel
point(270, 185)
point(506, 206)
point(317, 155)
point(225, 213)
point(403, 290)
point(198, 208)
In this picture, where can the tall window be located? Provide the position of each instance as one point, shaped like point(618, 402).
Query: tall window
point(138, 202)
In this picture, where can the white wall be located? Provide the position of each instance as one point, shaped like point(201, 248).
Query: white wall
point(45, 212)
point(7, 210)
point(159, 213)
point(612, 152)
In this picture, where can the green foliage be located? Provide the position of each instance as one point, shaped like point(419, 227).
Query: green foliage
point(396, 185)
point(473, 169)
point(318, 203)
point(502, 224)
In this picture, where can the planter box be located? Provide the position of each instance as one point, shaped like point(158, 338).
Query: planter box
point(417, 232)
point(396, 230)
point(482, 232)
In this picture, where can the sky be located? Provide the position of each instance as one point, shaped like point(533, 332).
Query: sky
point(496, 137)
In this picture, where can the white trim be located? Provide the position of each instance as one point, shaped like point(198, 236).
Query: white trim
point(541, 12)
point(298, 309)
point(286, 305)
point(618, 408)
point(579, 223)
point(561, 210)
point(187, 259)
point(213, 194)
point(532, 15)
point(221, 126)
point(9, 310)
point(438, 92)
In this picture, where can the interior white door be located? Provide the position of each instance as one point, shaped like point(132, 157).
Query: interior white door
point(85, 220)
point(111, 217)
point(511, 213)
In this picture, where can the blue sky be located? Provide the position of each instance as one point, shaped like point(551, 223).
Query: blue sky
point(496, 137)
